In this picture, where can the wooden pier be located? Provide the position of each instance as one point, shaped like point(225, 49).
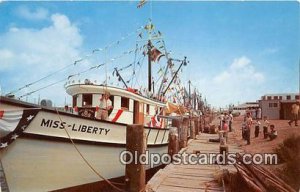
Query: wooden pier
point(194, 178)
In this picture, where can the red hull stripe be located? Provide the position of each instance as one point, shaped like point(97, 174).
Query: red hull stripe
point(1, 114)
point(120, 111)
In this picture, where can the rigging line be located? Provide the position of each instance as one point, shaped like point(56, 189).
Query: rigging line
point(169, 62)
point(135, 72)
point(75, 62)
point(122, 39)
point(54, 83)
point(141, 64)
point(53, 73)
point(151, 10)
point(27, 94)
point(134, 61)
point(85, 160)
point(29, 84)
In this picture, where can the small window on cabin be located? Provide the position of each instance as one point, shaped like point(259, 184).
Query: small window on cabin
point(269, 98)
point(288, 97)
point(276, 97)
point(124, 103)
point(75, 100)
point(275, 104)
point(147, 108)
point(297, 97)
point(87, 99)
point(280, 97)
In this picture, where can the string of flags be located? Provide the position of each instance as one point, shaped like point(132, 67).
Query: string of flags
point(141, 3)
point(78, 60)
point(77, 74)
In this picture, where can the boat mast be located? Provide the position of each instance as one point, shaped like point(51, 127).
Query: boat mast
point(183, 63)
point(149, 66)
point(190, 103)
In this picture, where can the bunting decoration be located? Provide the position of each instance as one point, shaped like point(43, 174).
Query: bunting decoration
point(149, 27)
point(13, 123)
point(79, 60)
point(156, 55)
point(141, 4)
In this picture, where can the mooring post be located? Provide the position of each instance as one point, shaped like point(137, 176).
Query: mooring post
point(178, 123)
point(196, 126)
point(223, 145)
point(184, 133)
point(201, 123)
point(135, 175)
point(192, 128)
point(173, 146)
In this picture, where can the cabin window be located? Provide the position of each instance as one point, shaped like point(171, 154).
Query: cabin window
point(276, 97)
point(297, 97)
point(288, 97)
point(75, 100)
point(280, 97)
point(147, 108)
point(269, 98)
point(124, 103)
point(87, 99)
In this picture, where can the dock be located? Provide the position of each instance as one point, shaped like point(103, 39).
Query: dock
point(194, 178)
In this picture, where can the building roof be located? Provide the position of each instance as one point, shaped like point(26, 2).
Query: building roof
point(281, 94)
point(248, 104)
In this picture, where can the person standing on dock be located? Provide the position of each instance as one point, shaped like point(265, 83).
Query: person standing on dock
point(225, 130)
point(230, 121)
point(221, 118)
point(295, 113)
point(257, 128)
point(248, 127)
point(265, 125)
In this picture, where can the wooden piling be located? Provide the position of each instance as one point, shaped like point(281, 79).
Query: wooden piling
point(173, 146)
point(192, 129)
point(135, 173)
point(184, 133)
point(197, 130)
point(179, 124)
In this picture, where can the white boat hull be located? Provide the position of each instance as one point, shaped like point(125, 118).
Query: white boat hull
point(43, 158)
point(40, 165)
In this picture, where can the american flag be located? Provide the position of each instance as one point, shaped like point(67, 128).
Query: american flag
point(13, 123)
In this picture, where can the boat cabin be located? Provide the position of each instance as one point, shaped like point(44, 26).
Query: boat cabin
point(128, 106)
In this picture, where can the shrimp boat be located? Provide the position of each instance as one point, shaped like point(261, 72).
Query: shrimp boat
point(37, 140)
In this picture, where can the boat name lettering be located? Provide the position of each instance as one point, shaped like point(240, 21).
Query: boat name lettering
point(81, 128)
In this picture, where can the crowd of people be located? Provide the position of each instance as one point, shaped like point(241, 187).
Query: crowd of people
point(261, 126)
point(251, 119)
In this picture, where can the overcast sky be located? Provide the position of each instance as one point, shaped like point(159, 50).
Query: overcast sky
point(238, 51)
